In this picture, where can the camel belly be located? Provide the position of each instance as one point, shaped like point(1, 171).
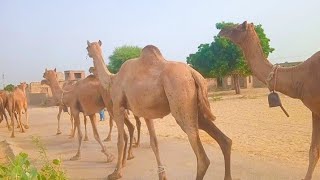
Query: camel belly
point(148, 102)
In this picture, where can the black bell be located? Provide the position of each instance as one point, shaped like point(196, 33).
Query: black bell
point(274, 101)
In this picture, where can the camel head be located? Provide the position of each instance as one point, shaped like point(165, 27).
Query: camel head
point(23, 85)
point(237, 33)
point(49, 75)
point(94, 48)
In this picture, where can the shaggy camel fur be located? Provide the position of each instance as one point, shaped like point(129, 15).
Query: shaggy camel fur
point(299, 82)
point(138, 122)
point(68, 86)
point(152, 87)
point(87, 97)
point(19, 106)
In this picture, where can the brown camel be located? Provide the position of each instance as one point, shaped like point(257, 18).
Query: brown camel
point(87, 97)
point(152, 87)
point(67, 86)
point(4, 95)
point(138, 122)
point(18, 104)
point(299, 82)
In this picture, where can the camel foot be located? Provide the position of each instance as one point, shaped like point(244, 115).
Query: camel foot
point(18, 126)
point(136, 145)
point(86, 138)
point(26, 126)
point(162, 176)
point(74, 158)
point(115, 175)
point(12, 136)
point(22, 130)
point(110, 158)
point(58, 132)
point(107, 139)
point(71, 137)
point(130, 156)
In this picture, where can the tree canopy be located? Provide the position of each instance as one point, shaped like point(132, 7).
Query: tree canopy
point(122, 54)
point(9, 87)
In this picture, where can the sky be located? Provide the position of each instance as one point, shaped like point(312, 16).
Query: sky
point(35, 35)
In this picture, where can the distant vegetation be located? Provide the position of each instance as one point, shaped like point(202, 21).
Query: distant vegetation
point(121, 55)
point(9, 87)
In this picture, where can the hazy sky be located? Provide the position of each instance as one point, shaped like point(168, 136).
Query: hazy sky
point(46, 34)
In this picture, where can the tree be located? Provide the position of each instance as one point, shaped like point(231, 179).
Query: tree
point(223, 58)
point(122, 54)
point(9, 87)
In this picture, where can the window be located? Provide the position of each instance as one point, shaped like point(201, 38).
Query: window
point(77, 75)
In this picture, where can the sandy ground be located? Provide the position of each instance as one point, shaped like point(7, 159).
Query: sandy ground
point(266, 144)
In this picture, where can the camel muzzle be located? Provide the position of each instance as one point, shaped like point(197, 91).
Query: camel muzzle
point(274, 101)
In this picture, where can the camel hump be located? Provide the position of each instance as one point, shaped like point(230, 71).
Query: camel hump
point(151, 53)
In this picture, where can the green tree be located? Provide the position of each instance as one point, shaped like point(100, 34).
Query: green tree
point(122, 54)
point(224, 58)
point(9, 87)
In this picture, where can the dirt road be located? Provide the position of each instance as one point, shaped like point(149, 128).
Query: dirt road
point(266, 144)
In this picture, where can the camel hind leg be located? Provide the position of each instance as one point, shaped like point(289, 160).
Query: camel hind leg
point(58, 117)
point(138, 124)
point(223, 141)
point(110, 157)
point(110, 128)
point(314, 151)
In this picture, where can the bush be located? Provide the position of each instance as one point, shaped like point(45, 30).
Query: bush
point(21, 168)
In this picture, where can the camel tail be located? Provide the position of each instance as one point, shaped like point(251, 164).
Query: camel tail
point(203, 102)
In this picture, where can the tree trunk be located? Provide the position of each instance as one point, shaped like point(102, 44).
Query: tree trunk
point(236, 83)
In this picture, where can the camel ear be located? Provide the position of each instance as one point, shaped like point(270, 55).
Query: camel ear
point(100, 43)
point(55, 69)
point(244, 25)
point(88, 43)
point(46, 70)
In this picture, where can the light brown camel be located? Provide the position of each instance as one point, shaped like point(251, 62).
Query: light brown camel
point(18, 104)
point(67, 86)
point(138, 122)
point(2, 111)
point(87, 97)
point(4, 97)
point(152, 87)
point(299, 82)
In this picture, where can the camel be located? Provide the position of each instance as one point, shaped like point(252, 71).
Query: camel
point(87, 97)
point(68, 86)
point(299, 82)
point(4, 98)
point(138, 122)
point(18, 104)
point(152, 87)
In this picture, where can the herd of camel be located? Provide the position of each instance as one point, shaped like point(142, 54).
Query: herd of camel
point(152, 87)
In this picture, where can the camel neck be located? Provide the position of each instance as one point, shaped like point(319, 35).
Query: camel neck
point(104, 75)
point(56, 89)
point(261, 67)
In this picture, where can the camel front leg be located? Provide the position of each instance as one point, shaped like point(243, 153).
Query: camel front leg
point(314, 151)
point(58, 117)
point(119, 119)
point(12, 124)
point(85, 128)
point(77, 125)
point(27, 118)
point(155, 148)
